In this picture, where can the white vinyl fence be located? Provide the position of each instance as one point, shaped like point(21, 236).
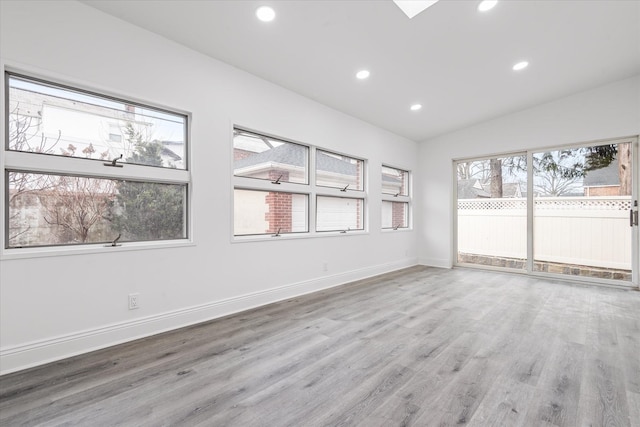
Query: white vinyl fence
point(591, 231)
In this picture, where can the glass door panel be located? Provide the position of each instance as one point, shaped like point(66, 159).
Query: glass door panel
point(582, 198)
point(492, 212)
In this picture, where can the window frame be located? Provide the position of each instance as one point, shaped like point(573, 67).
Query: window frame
point(399, 198)
point(310, 189)
point(41, 163)
point(276, 234)
point(307, 159)
point(340, 230)
point(346, 189)
point(529, 270)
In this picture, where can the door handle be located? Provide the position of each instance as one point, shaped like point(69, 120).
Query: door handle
point(635, 218)
point(630, 217)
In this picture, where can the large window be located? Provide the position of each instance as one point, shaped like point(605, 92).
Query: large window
point(395, 198)
point(82, 168)
point(282, 188)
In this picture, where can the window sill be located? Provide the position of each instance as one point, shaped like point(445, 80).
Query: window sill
point(20, 253)
point(391, 230)
point(294, 236)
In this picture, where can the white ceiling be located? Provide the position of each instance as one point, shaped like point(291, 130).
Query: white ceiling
point(451, 58)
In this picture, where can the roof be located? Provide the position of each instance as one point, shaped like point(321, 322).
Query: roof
point(296, 155)
point(603, 176)
point(471, 189)
point(509, 189)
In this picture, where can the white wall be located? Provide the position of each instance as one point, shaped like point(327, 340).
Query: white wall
point(52, 307)
point(606, 112)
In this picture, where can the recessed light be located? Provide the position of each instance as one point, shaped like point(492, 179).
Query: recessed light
point(363, 74)
point(265, 14)
point(416, 107)
point(487, 5)
point(520, 66)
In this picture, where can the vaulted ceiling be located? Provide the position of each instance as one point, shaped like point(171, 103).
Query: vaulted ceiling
point(451, 58)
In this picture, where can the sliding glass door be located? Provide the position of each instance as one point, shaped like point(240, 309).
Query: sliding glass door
point(569, 211)
point(492, 212)
point(582, 203)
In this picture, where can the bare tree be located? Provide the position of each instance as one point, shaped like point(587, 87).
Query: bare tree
point(550, 184)
point(478, 169)
point(558, 173)
point(76, 204)
point(24, 135)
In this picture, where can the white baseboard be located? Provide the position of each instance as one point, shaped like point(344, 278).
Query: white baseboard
point(23, 356)
point(435, 262)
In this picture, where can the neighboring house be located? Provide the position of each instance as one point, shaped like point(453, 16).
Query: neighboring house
point(603, 182)
point(286, 212)
point(54, 123)
point(511, 190)
point(288, 160)
point(393, 184)
point(471, 189)
point(477, 189)
point(172, 153)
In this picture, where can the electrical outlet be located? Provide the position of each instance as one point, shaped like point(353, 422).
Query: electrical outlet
point(134, 301)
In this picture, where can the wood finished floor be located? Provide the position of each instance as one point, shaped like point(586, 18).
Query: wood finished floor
point(421, 347)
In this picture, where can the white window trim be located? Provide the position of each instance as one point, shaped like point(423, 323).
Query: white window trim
point(90, 168)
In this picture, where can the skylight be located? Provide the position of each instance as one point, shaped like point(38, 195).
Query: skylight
point(487, 5)
point(413, 7)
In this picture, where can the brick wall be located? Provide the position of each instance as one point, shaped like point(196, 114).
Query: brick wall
point(609, 190)
point(398, 214)
point(239, 154)
point(280, 206)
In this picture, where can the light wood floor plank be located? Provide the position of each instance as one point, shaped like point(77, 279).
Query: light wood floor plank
point(417, 347)
point(633, 399)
